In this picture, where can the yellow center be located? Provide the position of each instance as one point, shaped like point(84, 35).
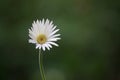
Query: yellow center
point(41, 39)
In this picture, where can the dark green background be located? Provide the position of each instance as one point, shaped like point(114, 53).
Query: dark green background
point(89, 48)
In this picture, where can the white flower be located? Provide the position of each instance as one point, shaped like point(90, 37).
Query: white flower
point(43, 34)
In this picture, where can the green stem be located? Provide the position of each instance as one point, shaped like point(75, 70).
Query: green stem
point(41, 65)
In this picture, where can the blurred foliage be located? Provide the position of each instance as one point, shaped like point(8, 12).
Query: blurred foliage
point(89, 48)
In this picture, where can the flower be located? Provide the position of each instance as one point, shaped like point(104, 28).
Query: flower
point(43, 34)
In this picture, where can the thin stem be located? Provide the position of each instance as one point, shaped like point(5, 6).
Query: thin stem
point(41, 65)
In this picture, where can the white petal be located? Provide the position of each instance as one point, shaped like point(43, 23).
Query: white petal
point(47, 21)
point(43, 47)
point(54, 32)
point(31, 32)
point(43, 21)
point(54, 39)
point(51, 22)
point(47, 46)
point(49, 29)
point(31, 41)
point(37, 46)
point(53, 43)
point(53, 28)
point(35, 29)
point(40, 22)
point(32, 37)
point(40, 46)
point(56, 35)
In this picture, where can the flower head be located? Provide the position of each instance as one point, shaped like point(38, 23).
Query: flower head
point(43, 34)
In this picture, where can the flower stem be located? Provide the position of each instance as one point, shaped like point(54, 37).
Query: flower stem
point(41, 65)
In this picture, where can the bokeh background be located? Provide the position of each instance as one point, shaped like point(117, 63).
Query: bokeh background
point(89, 48)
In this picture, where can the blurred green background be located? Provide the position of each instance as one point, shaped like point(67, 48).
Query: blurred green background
point(89, 48)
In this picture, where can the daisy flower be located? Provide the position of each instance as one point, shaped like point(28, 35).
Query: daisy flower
point(43, 34)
